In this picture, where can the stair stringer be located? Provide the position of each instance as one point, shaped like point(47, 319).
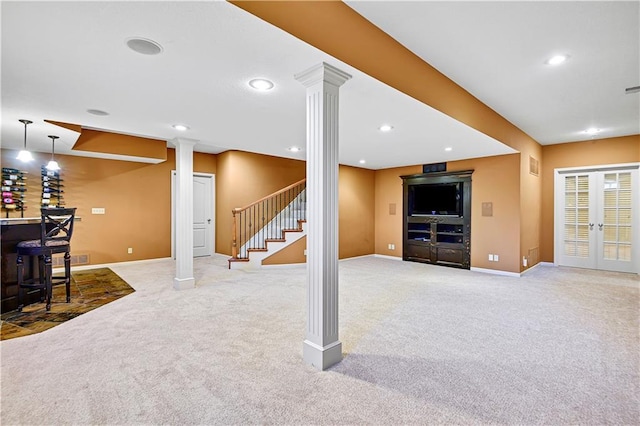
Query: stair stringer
point(273, 246)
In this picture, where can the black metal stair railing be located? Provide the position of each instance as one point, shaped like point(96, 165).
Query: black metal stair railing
point(267, 219)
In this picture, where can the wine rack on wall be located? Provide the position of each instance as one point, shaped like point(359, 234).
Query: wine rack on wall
point(14, 188)
point(52, 189)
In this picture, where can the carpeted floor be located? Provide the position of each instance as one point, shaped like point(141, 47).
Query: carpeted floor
point(422, 344)
point(89, 290)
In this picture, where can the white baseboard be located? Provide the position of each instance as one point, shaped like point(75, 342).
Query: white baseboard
point(496, 272)
point(535, 266)
point(384, 256)
point(285, 266)
point(355, 257)
point(296, 265)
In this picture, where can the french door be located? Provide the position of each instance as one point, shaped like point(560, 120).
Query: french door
point(597, 218)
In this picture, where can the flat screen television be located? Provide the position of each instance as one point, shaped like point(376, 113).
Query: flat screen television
point(443, 199)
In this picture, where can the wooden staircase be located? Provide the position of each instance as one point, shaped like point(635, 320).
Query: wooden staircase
point(268, 225)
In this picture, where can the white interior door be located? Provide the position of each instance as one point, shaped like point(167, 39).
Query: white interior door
point(203, 214)
point(597, 219)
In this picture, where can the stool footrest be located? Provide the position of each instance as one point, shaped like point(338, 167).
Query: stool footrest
point(33, 285)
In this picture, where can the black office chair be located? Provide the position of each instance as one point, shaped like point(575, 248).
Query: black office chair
point(56, 228)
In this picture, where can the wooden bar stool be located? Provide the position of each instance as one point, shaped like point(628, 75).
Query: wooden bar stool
point(56, 228)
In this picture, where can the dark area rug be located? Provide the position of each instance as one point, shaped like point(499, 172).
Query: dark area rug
point(90, 289)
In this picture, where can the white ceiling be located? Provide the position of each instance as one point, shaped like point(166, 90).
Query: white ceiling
point(61, 58)
point(497, 52)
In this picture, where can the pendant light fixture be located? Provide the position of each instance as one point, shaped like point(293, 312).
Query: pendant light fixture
point(25, 155)
point(53, 164)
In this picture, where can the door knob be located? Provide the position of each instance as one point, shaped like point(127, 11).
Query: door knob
point(591, 227)
point(600, 225)
point(208, 220)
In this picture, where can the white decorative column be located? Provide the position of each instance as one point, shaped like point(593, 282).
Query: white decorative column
point(321, 347)
point(184, 214)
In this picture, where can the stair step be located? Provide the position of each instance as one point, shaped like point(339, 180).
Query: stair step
point(288, 219)
point(233, 259)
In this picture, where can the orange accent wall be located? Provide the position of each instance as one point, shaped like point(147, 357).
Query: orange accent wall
point(338, 30)
point(388, 193)
point(245, 177)
point(356, 204)
point(136, 197)
point(578, 154)
point(100, 141)
point(289, 255)
point(530, 205)
point(335, 28)
point(114, 143)
point(69, 126)
point(495, 179)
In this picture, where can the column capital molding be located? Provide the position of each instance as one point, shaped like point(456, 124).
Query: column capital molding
point(183, 141)
point(322, 72)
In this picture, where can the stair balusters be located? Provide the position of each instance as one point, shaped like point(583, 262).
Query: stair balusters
point(267, 219)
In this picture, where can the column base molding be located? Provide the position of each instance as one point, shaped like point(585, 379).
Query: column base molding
point(184, 283)
point(320, 357)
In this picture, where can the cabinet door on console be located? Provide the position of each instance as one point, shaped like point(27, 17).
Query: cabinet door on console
point(418, 252)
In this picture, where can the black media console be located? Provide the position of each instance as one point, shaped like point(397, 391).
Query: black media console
point(437, 218)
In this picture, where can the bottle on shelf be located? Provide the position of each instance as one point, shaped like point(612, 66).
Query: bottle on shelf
point(13, 188)
point(51, 188)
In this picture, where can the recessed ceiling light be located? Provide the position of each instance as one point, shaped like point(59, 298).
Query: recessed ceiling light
point(557, 59)
point(386, 128)
point(144, 46)
point(180, 127)
point(261, 84)
point(97, 112)
point(361, 161)
point(448, 149)
point(294, 149)
point(592, 131)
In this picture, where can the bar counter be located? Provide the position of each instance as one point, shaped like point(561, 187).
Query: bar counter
point(14, 230)
point(19, 220)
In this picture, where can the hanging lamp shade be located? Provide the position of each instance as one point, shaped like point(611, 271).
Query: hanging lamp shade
point(53, 164)
point(25, 155)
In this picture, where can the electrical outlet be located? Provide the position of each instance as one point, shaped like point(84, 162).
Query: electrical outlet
point(130, 250)
point(392, 246)
point(496, 258)
point(524, 261)
point(305, 252)
point(490, 258)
